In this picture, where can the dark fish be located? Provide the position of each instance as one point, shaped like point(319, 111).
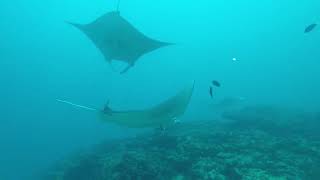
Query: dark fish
point(211, 92)
point(310, 28)
point(216, 83)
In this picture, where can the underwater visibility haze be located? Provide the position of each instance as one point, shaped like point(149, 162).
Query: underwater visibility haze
point(164, 89)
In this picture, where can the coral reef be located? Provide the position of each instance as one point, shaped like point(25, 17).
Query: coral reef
point(251, 147)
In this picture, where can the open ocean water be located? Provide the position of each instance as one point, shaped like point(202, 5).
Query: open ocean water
point(254, 111)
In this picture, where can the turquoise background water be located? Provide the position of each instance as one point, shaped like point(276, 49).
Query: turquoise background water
point(42, 58)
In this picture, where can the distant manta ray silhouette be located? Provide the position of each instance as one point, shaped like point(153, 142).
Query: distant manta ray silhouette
point(117, 39)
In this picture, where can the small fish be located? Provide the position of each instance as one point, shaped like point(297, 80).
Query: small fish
point(310, 28)
point(216, 83)
point(211, 92)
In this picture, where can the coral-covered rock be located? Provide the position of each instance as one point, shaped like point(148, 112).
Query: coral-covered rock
point(203, 150)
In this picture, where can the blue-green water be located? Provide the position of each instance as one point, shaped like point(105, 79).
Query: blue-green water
point(42, 58)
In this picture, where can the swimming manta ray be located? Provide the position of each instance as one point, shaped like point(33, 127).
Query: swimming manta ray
point(117, 39)
point(161, 115)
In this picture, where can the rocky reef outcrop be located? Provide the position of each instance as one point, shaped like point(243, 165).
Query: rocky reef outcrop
point(259, 143)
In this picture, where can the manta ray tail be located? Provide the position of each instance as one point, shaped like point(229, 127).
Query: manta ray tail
point(118, 5)
point(77, 105)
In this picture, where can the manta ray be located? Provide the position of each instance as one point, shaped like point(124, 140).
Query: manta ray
point(160, 115)
point(117, 39)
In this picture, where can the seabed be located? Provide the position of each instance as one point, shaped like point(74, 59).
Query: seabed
point(258, 142)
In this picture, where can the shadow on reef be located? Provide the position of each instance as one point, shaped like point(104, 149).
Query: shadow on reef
point(260, 142)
